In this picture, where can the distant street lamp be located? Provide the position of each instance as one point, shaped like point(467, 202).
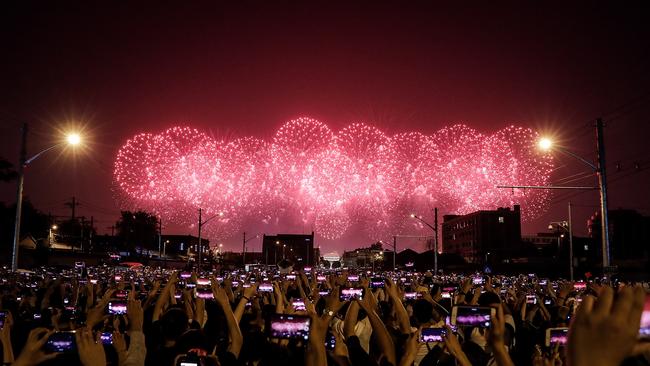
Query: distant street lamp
point(201, 223)
point(566, 226)
point(435, 230)
point(72, 139)
point(53, 227)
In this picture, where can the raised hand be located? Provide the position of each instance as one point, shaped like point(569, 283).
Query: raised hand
point(604, 331)
point(33, 353)
point(135, 314)
point(91, 350)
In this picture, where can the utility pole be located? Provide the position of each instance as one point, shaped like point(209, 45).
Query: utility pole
point(435, 229)
point(19, 197)
point(394, 252)
point(570, 245)
point(159, 237)
point(602, 183)
point(90, 233)
point(200, 246)
point(83, 223)
point(73, 205)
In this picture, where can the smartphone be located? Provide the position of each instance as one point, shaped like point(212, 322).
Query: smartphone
point(453, 327)
point(37, 316)
point(185, 275)
point(117, 307)
point(321, 278)
point(579, 285)
point(446, 295)
point(106, 338)
point(61, 342)
point(412, 295)
point(299, 305)
point(121, 294)
point(118, 278)
point(291, 277)
point(353, 278)
point(531, 299)
point(556, 336)
point(93, 281)
point(432, 335)
point(477, 280)
point(644, 327)
point(3, 316)
point(289, 326)
point(324, 292)
point(265, 287)
point(203, 281)
point(349, 293)
point(330, 341)
point(203, 293)
point(377, 282)
point(472, 316)
point(190, 359)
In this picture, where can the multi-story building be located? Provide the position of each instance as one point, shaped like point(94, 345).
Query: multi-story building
point(629, 234)
point(298, 248)
point(482, 236)
point(182, 244)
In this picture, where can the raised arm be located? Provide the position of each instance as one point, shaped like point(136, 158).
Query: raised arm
point(234, 333)
point(398, 306)
point(369, 304)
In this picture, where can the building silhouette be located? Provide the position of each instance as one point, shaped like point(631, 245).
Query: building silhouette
point(482, 237)
point(297, 248)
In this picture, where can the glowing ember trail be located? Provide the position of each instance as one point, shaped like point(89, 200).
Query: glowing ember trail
point(331, 180)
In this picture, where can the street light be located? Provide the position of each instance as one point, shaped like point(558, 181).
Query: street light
point(53, 227)
point(435, 230)
point(201, 223)
point(566, 226)
point(547, 144)
point(72, 139)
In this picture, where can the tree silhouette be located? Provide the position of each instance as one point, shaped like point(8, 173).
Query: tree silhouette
point(137, 230)
point(7, 172)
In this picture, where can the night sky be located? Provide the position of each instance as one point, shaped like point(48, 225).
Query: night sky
point(238, 70)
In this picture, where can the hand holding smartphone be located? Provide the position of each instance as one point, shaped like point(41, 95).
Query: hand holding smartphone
point(285, 326)
point(432, 335)
point(472, 316)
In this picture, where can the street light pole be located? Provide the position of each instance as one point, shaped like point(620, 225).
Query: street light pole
point(72, 139)
point(435, 231)
point(601, 173)
point(200, 246)
point(602, 183)
point(570, 245)
point(19, 197)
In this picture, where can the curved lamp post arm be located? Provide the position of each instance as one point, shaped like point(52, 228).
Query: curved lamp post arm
point(37, 155)
point(576, 156)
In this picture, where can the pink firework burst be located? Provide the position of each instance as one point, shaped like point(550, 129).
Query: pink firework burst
point(333, 181)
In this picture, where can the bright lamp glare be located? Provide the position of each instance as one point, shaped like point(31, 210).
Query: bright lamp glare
point(545, 143)
point(73, 139)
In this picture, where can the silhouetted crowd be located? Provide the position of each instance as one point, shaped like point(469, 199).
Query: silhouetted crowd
point(134, 316)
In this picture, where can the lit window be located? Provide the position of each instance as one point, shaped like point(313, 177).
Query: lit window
point(501, 220)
